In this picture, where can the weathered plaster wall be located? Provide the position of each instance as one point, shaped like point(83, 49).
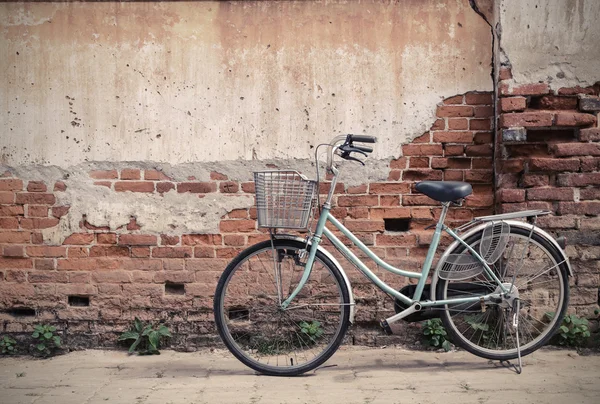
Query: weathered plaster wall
point(553, 41)
point(211, 81)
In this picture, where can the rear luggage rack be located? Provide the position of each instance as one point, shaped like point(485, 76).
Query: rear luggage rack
point(503, 216)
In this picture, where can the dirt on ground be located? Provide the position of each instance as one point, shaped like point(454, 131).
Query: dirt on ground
point(352, 375)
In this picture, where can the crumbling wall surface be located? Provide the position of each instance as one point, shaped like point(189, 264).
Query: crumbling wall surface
point(551, 41)
point(548, 138)
point(181, 82)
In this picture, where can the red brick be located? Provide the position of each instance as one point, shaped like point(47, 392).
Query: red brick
point(11, 223)
point(15, 237)
point(60, 186)
point(539, 164)
point(108, 251)
point(172, 252)
point(439, 124)
point(324, 188)
point(163, 187)
point(454, 175)
point(525, 89)
point(458, 124)
point(48, 277)
point(574, 119)
point(579, 208)
point(38, 223)
point(396, 240)
point(482, 163)
point(557, 222)
point(209, 252)
point(479, 150)
point(130, 174)
point(237, 226)
point(557, 103)
point(511, 195)
point(104, 174)
point(37, 238)
point(78, 252)
point(238, 214)
point(201, 239)
point(412, 200)
point(439, 162)
point(484, 112)
point(358, 212)
point(526, 119)
point(513, 104)
point(79, 239)
point(137, 239)
point(422, 150)
point(479, 98)
point(140, 252)
point(46, 251)
point(424, 138)
point(44, 264)
point(590, 193)
point(530, 180)
point(37, 211)
point(370, 200)
point(478, 176)
point(229, 187)
point(576, 149)
point(576, 90)
point(235, 240)
point(578, 180)
point(454, 111)
point(15, 263)
point(389, 200)
point(388, 188)
point(590, 164)
point(364, 225)
point(227, 252)
point(111, 277)
point(106, 184)
point(589, 135)
point(457, 99)
point(7, 198)
point(166, 239)
point(395, 175)
point(419, 162)
point(35, 198)
point(483, 137)
point(359, 189)
point(106, 238)
point(248, 187)
point(134, 186)
point(13, 251)
point(36, 186)
point(453, 137)
point(505, 73)
point(454, 150)
point(174, 277)
point(480, 124)
point(550, 194)
point(11, 184)
point(197, 187)
point(480, 200)
point(155, 175)
point(217, 176)
point(399, 163)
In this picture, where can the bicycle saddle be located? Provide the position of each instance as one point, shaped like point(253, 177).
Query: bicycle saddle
point(444, 191)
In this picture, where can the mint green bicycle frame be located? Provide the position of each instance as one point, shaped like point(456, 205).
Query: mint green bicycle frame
point(321, 230)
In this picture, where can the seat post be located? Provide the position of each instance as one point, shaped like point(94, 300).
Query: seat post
point(440, 223)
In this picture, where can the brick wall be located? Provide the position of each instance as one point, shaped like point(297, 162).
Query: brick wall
point(548, 157)
point(99, 279)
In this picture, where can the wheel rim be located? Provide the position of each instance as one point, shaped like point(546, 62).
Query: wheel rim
point(540, 285)
point(274, 339)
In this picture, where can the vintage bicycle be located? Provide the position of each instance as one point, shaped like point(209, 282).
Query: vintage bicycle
point(282, 306)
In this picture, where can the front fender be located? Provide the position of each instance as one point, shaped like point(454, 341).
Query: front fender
point(335, 262)
point(512, 223)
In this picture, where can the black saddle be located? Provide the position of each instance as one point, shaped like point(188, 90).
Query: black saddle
point(444, 191)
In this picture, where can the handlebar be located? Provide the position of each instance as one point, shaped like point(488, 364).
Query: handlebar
point(363, 139)
point(347, 140)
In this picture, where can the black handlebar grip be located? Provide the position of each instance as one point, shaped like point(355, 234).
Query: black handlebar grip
point(363, 139)
point(365, 149)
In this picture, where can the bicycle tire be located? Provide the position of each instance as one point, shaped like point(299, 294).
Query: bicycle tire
point(259, 340)
point(460, 323)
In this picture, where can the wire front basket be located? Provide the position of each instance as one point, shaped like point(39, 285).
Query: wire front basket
point(284, 199)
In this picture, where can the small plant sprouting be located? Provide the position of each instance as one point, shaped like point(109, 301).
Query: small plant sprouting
point(8, 345)
point(435, 334)
point(147, 338)
point(313, 330)
point(20, 374)
point(47, 340)
point(573, 331)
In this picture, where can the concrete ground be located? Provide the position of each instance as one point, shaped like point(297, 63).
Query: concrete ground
point(352, 375)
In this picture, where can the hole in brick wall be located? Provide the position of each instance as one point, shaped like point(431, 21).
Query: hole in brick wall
point(545, 135)
point(79, 301)
point(174, 288)
point(239, 313)
point(22, 312)
point(396, 224)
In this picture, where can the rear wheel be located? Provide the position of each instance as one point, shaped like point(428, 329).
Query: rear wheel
point(541, 298)
point(267, 338)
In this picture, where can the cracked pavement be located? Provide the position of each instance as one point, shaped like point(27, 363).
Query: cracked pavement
point(352, 375)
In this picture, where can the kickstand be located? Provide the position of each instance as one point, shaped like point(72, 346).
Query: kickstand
point(516, 311)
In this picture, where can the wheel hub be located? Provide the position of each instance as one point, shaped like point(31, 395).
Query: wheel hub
point(509, 297)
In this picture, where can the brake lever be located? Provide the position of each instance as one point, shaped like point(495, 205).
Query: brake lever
point(347, 149)
point(354, 159)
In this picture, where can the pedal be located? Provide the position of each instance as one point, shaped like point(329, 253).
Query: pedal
point(386, 327)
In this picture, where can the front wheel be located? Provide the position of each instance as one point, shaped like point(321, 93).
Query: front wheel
point(262, 335)
point(540, 298)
